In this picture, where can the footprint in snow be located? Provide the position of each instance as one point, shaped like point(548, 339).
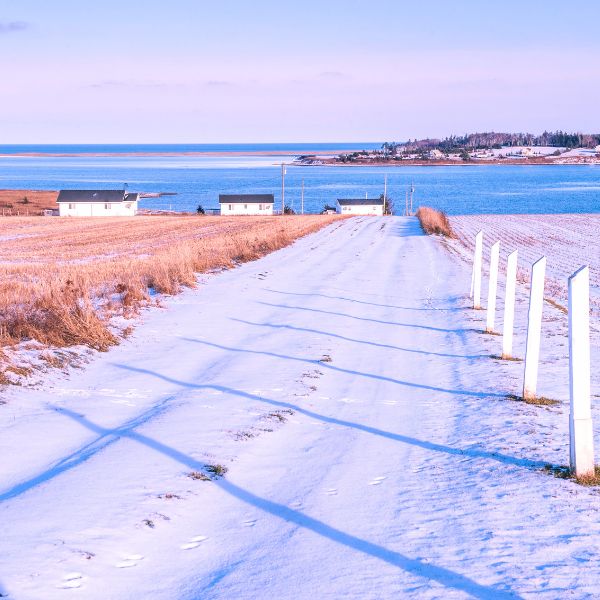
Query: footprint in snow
point(71, 581)
point(194, 542)
point(296, 504)
point(332, 492)
point(249, 523)
point(377, 480)
point(131, 560)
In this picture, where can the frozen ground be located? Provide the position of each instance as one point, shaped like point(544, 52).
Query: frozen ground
point(370, 447)
point(567, 240)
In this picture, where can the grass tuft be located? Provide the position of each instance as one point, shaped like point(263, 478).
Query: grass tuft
point(563, 472)
point(198, 476)
point(435, 222)
point(537, 401)
point(509, 358)
point(216, 471)
point(279, 415)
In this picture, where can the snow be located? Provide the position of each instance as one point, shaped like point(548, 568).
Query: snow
point(370, 447)
point(569, 241)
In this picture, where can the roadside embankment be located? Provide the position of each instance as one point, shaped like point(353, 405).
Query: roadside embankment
point(68, 282)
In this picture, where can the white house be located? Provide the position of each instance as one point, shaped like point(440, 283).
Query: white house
point(246, 204)
point(361, 206)
point(97, 203)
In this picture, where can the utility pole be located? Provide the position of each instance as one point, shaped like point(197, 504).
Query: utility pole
point(282, 188)
point(406, 205)
point(302, 199)
point(384, 191)
point(412, 189)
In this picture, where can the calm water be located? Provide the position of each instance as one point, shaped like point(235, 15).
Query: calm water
point(199, 180)
point(158, 148)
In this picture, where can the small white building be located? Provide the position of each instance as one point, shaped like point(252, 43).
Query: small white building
point(97, 203)
point(246, 204)
point(361, 206)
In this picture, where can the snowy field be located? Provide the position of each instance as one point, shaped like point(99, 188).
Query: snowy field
point(325, 422)
point(568, 242)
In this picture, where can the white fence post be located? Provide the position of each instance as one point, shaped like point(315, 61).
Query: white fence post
point(580, 418)
point(492, 287)
point(534, 328)
point(476, 278)
point(509, 304)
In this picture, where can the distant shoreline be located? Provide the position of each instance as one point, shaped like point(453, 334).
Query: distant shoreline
point(318, 158)
point(209, 153)
point(524, 162)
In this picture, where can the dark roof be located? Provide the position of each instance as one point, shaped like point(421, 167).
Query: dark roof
point(246, 198)
point(96, 196)
point(360, 201)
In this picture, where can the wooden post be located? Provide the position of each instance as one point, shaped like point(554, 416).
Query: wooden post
point(282, 189)
point(492, 287)
point(580, 418)
point(476, 291)
point(384, 192)
point(534, 328)
point(509, 304)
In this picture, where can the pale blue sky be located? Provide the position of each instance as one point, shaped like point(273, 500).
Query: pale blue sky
point(266, 71)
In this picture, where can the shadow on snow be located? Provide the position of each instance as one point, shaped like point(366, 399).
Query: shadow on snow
point(414, 566)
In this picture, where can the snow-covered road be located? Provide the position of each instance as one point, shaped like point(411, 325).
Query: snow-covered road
point(371, 452)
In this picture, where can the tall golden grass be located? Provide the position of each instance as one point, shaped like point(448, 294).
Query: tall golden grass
point(435, 221)
point(62, 279)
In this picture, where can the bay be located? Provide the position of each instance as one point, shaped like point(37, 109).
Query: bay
point(198, 180)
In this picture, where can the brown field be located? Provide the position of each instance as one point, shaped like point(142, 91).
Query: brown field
point(434, 221)
point(63, 278)
point(26, 202)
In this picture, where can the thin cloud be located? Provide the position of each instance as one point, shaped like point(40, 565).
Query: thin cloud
point(332, 75)
point(13, 26)
point(217, 82)
point(128, 83)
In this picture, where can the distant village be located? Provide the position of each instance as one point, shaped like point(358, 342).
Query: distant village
point(548, 148)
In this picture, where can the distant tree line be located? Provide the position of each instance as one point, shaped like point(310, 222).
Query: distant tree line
point(489, 140)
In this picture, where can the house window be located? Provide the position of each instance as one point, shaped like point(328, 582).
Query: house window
point(71, 207)
point(107, 206)
point(260, 207)
point(245, 207)
point(231, 207)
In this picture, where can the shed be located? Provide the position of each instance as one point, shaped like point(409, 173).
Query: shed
point(97, 203)
point(246, 204)
point(361, 206)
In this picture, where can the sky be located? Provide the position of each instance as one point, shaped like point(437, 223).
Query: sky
point(198, 71)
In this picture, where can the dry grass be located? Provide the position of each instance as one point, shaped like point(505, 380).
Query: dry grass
point(536, 401)
point(26, 202)
point(64, 278)
point(434, 222)
point(565, 473)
